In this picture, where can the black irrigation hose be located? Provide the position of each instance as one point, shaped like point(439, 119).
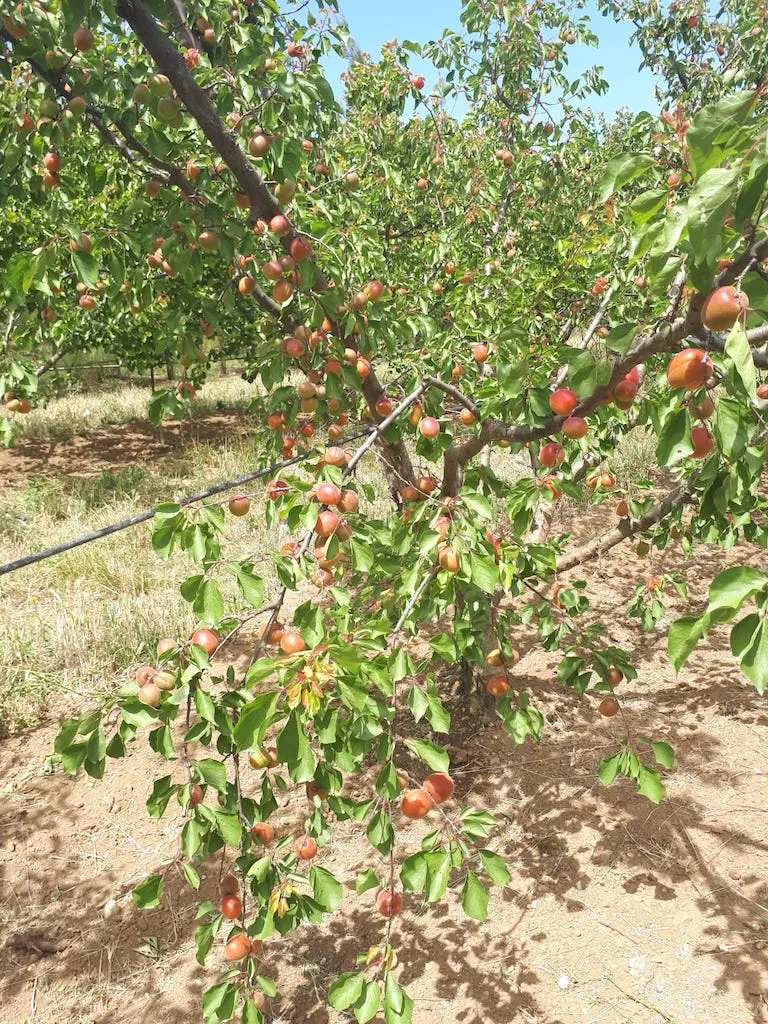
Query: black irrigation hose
point(40, 556)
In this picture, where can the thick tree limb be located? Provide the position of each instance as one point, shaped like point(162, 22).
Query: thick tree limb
point(168, 59)
point(628, 527)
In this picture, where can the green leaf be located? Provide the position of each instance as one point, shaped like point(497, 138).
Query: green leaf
point(251, 586)
point(398, 1006)
point(430, 754)
point(255, 719)
point(714, 124)
point(366, 880)
point(621, 170)
point(749, 643)
point(484, 572)
point(649, 785)
point(326, 888)
point(86, 268)
point(684, 634)
point(190, 874)
point(292, 740)
point(228, 827)
point(477, 503)
point(162, 791)
point(474, 898)
point(413, 872)
point(345, 990)
point(738, 351)
point(380, 833)
point(664, 754)
point(204, 705)
point(674, 441)
point(251, 1013)
point(495, 867)
point(362, 554)
point(208, 604)
point(621, 337)
point(214, 773)
point(220, 1002)
point(731, 588)
point(148, 893)
point(438, 872)
point(730, 427)
point(369, 1002)
point(713, 196)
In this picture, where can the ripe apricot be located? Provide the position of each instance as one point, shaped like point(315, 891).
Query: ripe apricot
point(416, 803)
point(305, 848)
point(703, 442)
point(551, 454)
point(497, 686)
point(206, 639)
point(689, 369)
point(238, 947)
point(231, 908)
point(439, 786)
point(563, 402)
point(292, 642)
point(264, 832)
point(389, 903)
point(723, 308)
point(575, 427)
point(608, 707)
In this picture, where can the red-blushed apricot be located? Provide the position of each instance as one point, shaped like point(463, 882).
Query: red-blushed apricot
point(689, 369)
point(723, 308)
point(328, 494)
point(563, 401)
point(467, 417)
point(238, 947)
point(480, 353)
point(305, 848)
point(165, 645)
point(551, 454)
point(230, 886)
point(348, 501)
point(608, 707)
point(426, 484)
point(239, 505)
point(703, 442)
point(575, 427)
point(327, 523)
point(150, 694)
point(614, 676)
point(264, 832)
point(429, 427)
point(416, 803)
point(497, 686)
point(196, 795)
point(439, 786)
point(389, 903)
point(206, 639)
point(144, 674)
point(292, 642)
point(231, 908)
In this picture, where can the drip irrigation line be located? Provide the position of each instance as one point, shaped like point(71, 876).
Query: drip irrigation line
point(228, 485)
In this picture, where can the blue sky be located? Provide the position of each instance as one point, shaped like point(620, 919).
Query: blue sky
point(373, 24)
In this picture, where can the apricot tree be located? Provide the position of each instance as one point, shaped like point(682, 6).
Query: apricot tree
point(521, 281)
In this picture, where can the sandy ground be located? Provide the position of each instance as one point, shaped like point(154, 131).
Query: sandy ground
point(618, 911)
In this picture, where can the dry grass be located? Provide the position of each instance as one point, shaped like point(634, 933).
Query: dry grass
point(81, 410)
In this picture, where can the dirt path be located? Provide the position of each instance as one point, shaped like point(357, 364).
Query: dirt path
point(618, 911)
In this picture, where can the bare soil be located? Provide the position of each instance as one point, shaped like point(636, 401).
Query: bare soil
point(618, 911)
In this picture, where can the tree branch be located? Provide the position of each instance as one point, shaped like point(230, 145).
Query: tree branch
point(168, 59)
point(629, 527)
